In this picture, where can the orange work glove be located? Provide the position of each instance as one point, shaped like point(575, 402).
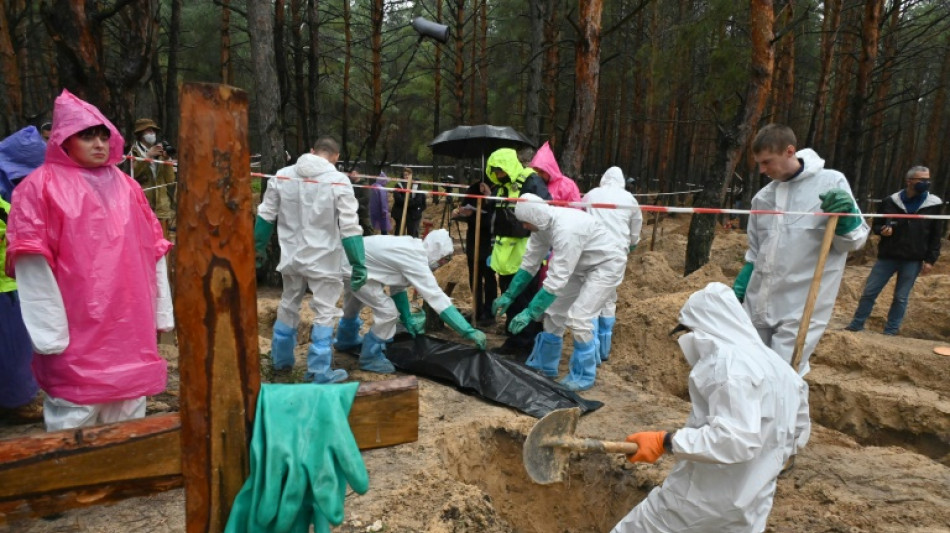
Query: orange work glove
point(651, 446)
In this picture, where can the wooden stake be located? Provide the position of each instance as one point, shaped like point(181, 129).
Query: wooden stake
point(478, 240)
point(215, 301)
point(813, 292)
point(405, 207)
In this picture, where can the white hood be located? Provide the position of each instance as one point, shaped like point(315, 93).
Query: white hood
point(613, 178)
point(310, 165)
point(438, 244)
point(533, 210)
point(715, 317)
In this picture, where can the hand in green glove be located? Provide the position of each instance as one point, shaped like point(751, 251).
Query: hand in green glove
point(300, 476)
point(356, 255)
point(742, 281)
point(478, 338)
point(840, 201)
point(501, 304)
point(401, 299)
point(533, 312)
point(262, 233)
point(518, 283)
point(456, 321)
point(632, 248)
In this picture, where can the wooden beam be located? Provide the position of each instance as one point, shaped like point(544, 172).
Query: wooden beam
point(215, 301)
point(52, 472)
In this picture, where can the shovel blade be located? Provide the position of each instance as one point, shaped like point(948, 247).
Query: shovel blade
point(544, 463)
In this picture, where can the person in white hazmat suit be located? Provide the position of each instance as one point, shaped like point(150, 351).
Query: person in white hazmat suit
point(783, 249)
point(397, 263)
point(313, 219)
point(746, 406)
point(585, 268)
point(623, 224)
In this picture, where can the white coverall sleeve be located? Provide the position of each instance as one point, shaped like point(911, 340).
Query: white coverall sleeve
point(854, 239)
point(419, 275)
point(752, 235)
point(636, 224)
point(346, 209)
point(42, 305)
point(270, 204)
point(802, 419)
point(537, 248)
point(164, 312)
point(733, 429)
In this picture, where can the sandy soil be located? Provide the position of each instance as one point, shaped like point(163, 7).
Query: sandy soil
point(878, 461)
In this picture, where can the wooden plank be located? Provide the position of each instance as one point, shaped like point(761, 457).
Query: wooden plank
point(215, 301)
point(386, 413)
point(52, 472)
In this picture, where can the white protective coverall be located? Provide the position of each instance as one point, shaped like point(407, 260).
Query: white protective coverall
point(745, 410)
point(312, 217)
point(785, 250)
point(585, 269)
point(623, 225)
point(397, 263)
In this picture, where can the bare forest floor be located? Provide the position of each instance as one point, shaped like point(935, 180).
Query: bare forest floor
point(878, 461)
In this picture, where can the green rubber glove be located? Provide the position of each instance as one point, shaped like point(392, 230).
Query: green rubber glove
point(356, 255)
point(632, 248)
point(533, 312)
point(302, 457)
point(456, 321)
point(401, 299)
point(742, 281)
point(518, 283)
point(262, 233)
point(839, 201)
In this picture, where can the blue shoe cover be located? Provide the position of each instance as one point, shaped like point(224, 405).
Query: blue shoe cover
point(348, 334)
point(320, 355)
point(604, 334)
point(546, 354)
point(373, 355)
point(282, 346)
point(583, 367)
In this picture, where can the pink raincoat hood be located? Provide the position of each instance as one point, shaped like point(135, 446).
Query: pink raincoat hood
point(560, 186)
point(72, 115)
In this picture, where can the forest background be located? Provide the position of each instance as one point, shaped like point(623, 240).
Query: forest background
point(669, 90)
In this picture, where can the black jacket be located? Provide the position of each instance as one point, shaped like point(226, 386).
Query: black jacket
point(913, 239)
point(417, 204)
point(504, 223)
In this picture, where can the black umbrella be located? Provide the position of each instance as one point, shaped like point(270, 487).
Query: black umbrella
point(477, 141)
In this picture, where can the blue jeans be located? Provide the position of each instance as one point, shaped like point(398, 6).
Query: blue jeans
point(881, 273)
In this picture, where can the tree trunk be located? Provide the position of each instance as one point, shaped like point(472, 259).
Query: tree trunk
point(260, 25)
point(870, 35)
point(483, 63)
point(300, 94)
point(783, 86)
point(586, 85)
point(732, 141)
point(437, 80)
point(874, 153)
point(347, 65)
point(227, 72)
point(11, 98)
point(844, 75)
point(280, 56)
point(171, 76)
point(936, 144)
point(552, 34)
point(313, 69)
point(76, 31)
point(459, 67)
point(376, 39)
point(830, 26)
point(532, 119)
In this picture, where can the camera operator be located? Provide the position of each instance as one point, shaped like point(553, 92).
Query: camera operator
point(156, 178)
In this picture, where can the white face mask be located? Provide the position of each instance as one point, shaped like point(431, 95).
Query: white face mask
point(149, 138)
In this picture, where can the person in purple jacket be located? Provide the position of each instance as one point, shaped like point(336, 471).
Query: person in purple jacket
point(379, 205)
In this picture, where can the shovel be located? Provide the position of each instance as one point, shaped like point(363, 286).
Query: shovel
point(549, 444)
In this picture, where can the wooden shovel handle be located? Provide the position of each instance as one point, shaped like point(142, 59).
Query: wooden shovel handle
point(592, 445)
point(813, 292)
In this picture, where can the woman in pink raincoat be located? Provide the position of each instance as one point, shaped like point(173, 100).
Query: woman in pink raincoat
point(561, 187)
point(89, 258)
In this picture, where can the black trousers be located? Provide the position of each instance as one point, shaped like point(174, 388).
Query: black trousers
point(487, 285)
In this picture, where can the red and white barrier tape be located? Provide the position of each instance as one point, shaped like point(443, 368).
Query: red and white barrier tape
point(583, 205)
